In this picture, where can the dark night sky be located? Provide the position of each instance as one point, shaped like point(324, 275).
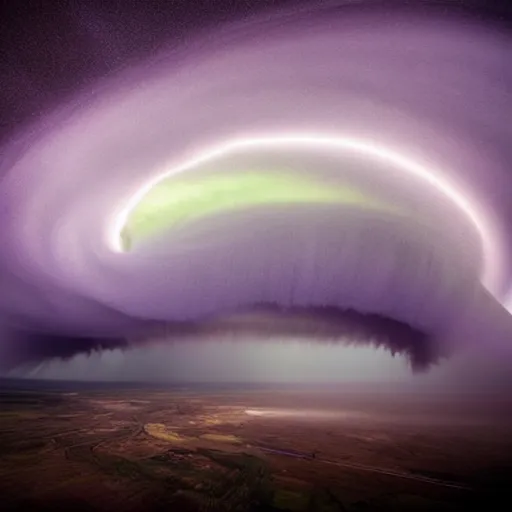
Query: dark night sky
point(50, 49)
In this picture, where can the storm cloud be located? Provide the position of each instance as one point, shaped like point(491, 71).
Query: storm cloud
point(409, 111)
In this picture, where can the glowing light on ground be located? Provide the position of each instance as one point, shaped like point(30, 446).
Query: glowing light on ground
point(305, 414)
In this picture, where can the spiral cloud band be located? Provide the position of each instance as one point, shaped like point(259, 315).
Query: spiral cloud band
point(306, 160)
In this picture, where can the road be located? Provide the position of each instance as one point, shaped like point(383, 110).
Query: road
point(366, 468)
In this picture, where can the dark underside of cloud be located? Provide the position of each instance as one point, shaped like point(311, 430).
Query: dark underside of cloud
point(264, 321)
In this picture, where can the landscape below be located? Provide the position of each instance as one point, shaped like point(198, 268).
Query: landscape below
point(233, 448)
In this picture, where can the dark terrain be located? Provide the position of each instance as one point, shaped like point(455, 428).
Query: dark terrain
point(78, 447)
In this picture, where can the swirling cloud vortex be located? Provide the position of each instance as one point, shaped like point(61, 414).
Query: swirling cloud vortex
point(404, 118)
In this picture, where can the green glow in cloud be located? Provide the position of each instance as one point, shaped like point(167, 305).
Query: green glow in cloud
point(184, 198)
